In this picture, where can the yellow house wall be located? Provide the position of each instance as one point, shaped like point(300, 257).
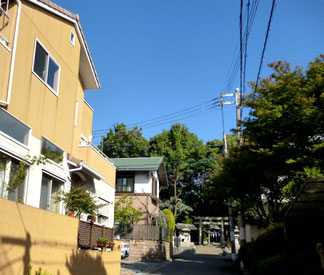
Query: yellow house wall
point(47, 240)
point(7, 29)
point(84, 121)
point(32, 101)
point(93, 159)
point(36, 105)
point(87, 120)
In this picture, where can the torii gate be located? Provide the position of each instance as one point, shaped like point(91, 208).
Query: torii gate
point(211, 221)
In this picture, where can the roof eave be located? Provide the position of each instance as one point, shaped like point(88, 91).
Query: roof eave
point(136, 169)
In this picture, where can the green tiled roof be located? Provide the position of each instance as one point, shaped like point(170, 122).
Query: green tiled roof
point(132, 164)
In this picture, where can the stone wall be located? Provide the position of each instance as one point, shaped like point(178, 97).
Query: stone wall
point(141, 250)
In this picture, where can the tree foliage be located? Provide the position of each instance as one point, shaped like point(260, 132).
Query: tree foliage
point(80, 201)
point(121, 142)
point(182, 152)
point(125, 213)
point(188, 163)
point(170, 220)
point(283, 145)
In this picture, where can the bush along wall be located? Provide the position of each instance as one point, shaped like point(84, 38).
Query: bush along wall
point(271, 254)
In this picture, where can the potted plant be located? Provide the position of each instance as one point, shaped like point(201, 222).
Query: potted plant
point(102, 242)
point(71, 213)
point(91, 218)
point(111, 245)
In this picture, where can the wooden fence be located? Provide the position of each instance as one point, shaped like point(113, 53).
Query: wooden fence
point(143, 232)
point(89, 234)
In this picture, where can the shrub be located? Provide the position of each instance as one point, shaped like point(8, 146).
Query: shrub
point(79, 200)
point(125, 213)
point(278, 264)
point(270, 243)
point(170, 222)
point(246, 254)
point(169, 219)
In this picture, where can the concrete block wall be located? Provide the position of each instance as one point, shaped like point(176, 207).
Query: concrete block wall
point(32, 236)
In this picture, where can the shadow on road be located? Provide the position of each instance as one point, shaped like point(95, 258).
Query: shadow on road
point(207, 261)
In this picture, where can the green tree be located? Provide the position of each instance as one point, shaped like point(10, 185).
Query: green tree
point(283, 142)
point(79, 200)
point(125, 213)
point(182, 152)
point(121, 142)
point(168, 221)
point(288, 119)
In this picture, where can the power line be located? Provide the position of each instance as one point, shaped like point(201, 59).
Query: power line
point(175, 113)
point(234, 67)
point(190, 115)
point(264, 48)
point(243, 92)
point(246, 49)
point(96, 136)
point(196, 110)
point(241, 46)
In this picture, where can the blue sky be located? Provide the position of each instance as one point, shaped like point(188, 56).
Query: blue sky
point(156, 57)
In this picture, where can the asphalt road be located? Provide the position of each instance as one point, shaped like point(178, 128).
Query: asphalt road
point(207, 261)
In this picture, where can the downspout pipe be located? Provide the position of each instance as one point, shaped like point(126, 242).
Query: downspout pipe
point(13, 56)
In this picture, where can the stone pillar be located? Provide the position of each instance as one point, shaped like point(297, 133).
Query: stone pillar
point(200, 231)
point(222, 240)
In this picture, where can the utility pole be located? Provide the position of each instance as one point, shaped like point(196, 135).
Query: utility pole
point(238, 115)
point(230, 209)
point(238, 103)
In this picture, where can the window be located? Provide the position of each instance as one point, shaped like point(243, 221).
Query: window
point(13, 127)
point(76, 113)
point(103, 220)
point(51, 151)
point(46, 68)
point(72, 38)
point(8, 172)
point(49, 191)
point(125, 184)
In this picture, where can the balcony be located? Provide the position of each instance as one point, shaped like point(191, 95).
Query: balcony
point(97, 160)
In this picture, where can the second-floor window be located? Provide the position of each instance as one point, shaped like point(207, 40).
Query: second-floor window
point(46, 68)
point(125, 184)
point(13, 127)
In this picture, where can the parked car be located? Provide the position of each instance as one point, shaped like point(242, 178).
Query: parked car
point(124, 250)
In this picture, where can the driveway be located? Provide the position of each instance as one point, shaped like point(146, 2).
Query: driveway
point(208, 260)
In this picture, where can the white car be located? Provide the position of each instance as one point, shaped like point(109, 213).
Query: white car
point(124, 250)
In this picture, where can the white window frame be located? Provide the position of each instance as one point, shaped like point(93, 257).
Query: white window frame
point(49, 160)
point(49, 198)
point(12, 138)
point(76, 113)
point(72, 40)
point(3, 191)
point(54, 60)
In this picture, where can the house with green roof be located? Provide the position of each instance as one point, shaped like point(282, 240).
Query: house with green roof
point(141, 178)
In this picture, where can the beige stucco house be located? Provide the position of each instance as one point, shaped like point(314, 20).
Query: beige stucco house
point(141, 179)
